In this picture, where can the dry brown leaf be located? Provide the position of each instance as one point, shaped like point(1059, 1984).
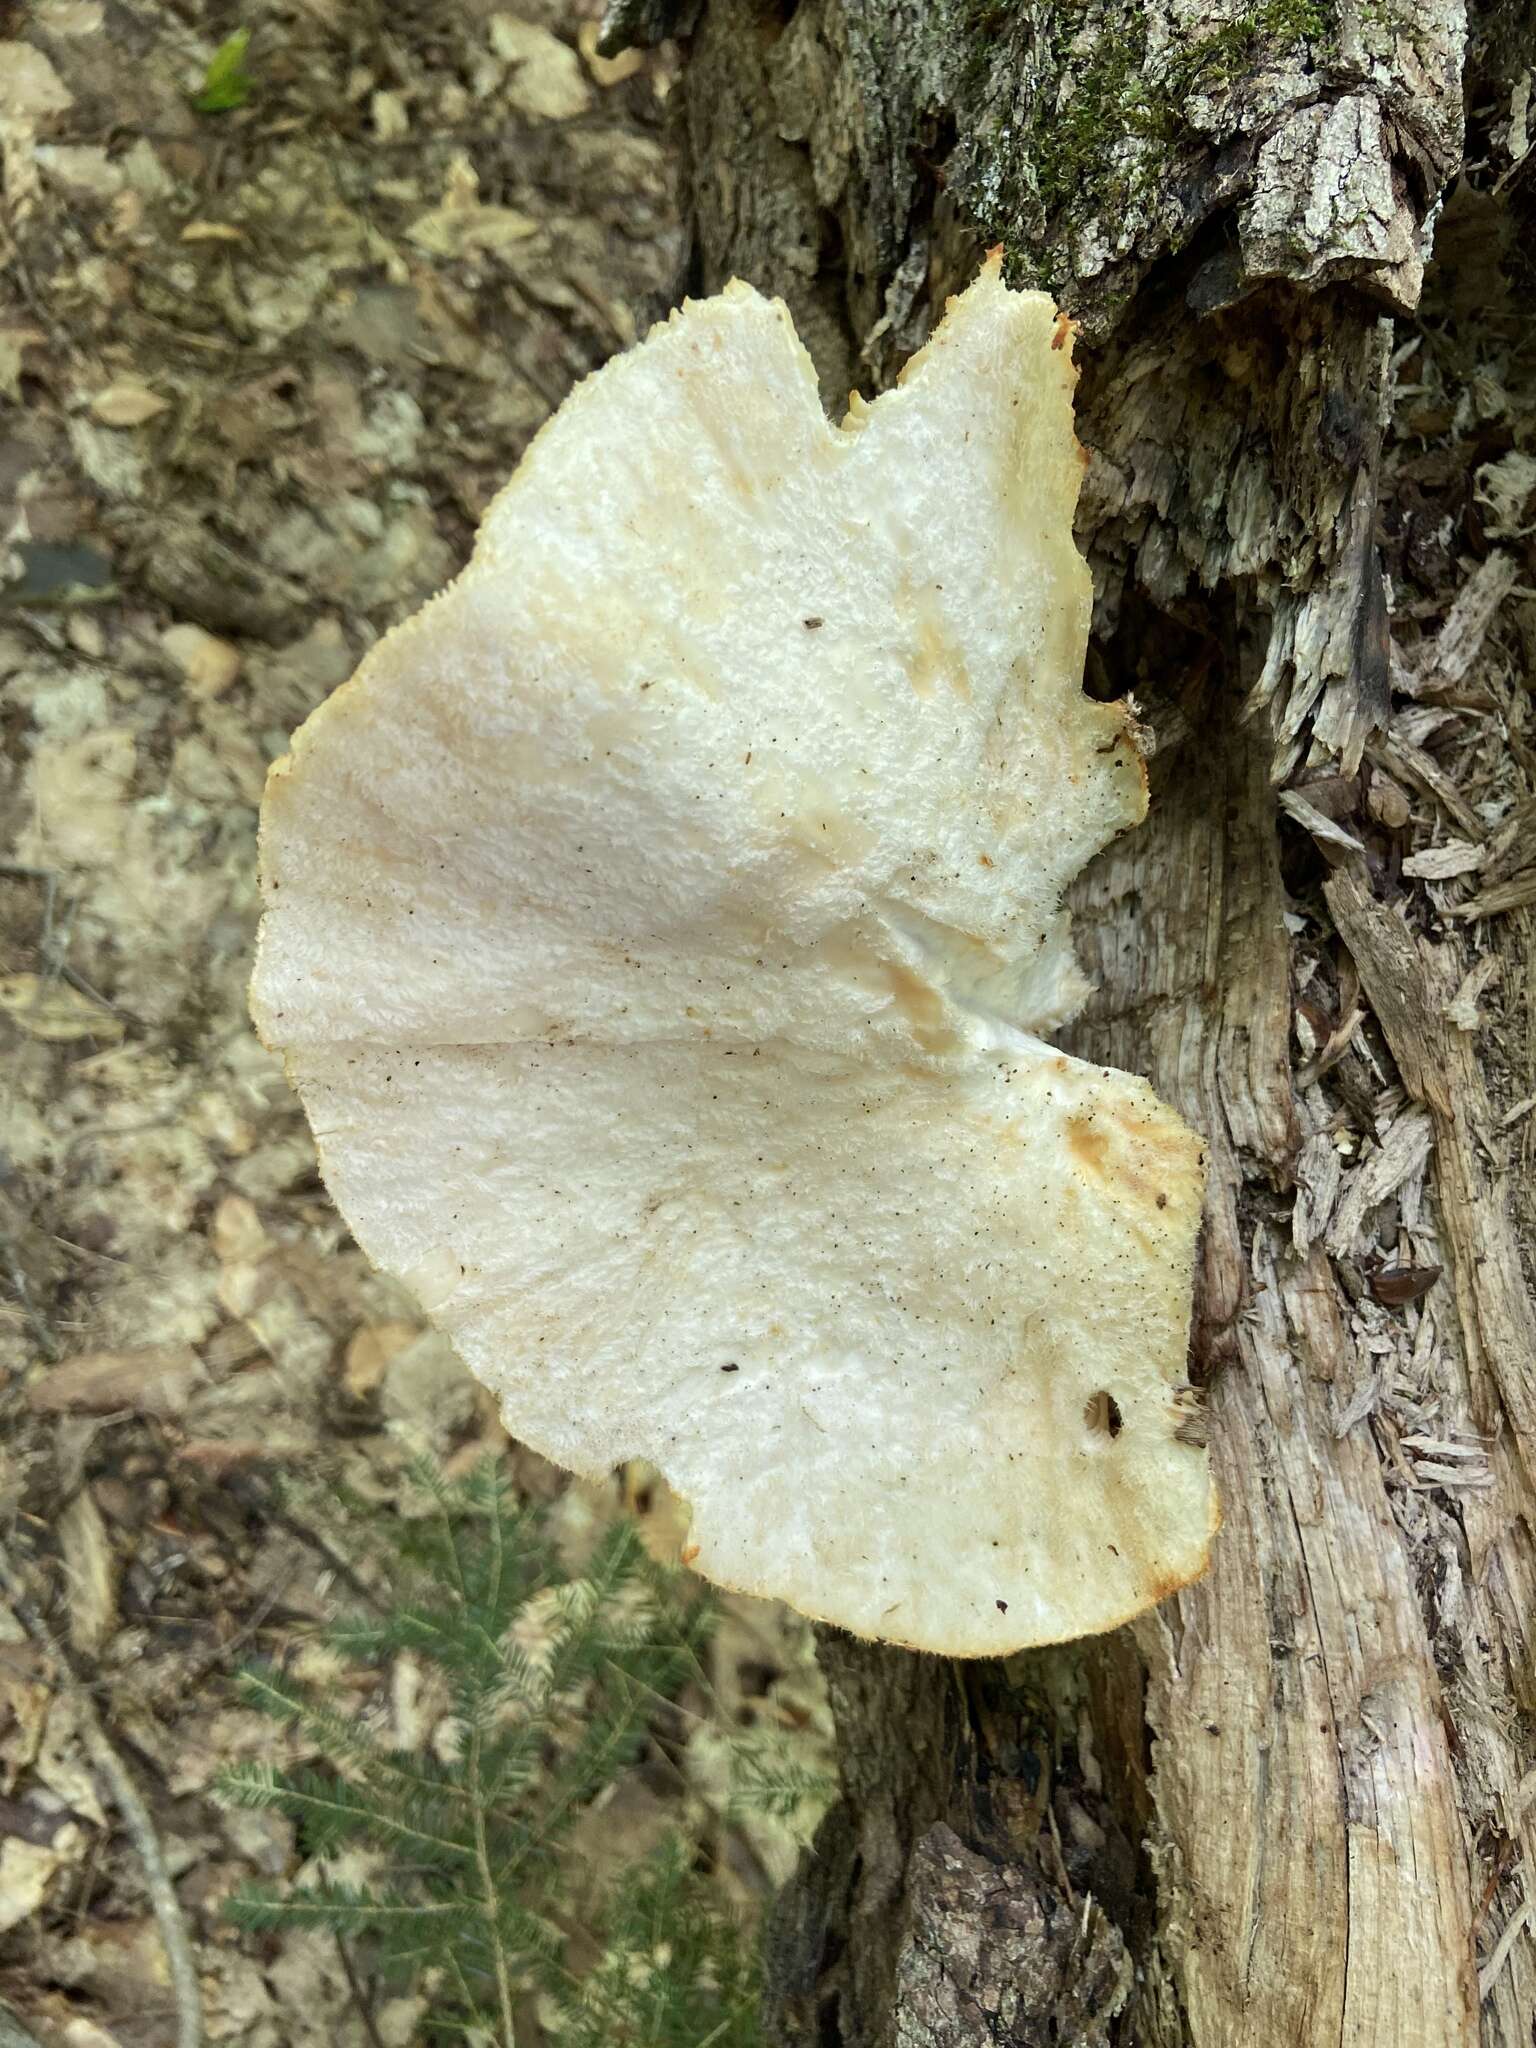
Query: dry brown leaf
point(1396, 1285)
point(30, 88)
point(91, 1568)
point(390, 117)
point(369, 1353)
point(606, 71)
point(84, 2033)
point(217, 1457)
point(1387, 803)
point(159, 1380)
point(32, 94)
point(52, 1010)
point(236, 1231)
point(127, 405)
point(26, 1869)
point(452, 231)
point(14, 341)
point(208, 665)
point(546, 79)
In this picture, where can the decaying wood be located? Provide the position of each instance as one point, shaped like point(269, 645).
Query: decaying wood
point(1301, 1793)
point(993, 1955)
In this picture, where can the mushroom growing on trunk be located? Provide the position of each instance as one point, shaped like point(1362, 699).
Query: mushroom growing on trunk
point(663, 930)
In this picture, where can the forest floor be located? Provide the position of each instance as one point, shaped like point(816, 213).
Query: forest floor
point(261, 369)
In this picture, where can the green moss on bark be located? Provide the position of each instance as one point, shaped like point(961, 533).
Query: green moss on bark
point(1080, 120)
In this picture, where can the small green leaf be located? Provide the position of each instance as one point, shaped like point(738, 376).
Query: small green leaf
point(226, 83)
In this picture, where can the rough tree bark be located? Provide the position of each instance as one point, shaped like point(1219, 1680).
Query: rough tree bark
point(1296, 1804)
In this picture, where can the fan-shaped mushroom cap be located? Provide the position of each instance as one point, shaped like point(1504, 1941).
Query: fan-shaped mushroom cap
point(660, 928)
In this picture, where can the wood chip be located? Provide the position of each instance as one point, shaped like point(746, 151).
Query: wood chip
point(1510, 846)
point(1459, 642)
point(1318, 823)
point(1402, 1152)
point(1338, 1043)
point(1442, 863)
point(1427, 1472)
point(1319, 1171)
point(1514, 894)
point(1361, 1403)
point(1462, 1010)
point(1401, 758)
point(390, 117)
point(230, 1349)
point(1408, 983)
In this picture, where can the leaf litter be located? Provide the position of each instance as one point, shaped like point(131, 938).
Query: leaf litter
point(279, 313)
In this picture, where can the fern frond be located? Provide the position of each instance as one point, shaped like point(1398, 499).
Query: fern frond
point(675, 1972)
point(344, 1738)
point(407, 1922)
point(552, 1687)
point(334, 1813)
point(766, 1777)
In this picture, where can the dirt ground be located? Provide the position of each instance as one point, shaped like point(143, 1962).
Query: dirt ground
point(261, 369)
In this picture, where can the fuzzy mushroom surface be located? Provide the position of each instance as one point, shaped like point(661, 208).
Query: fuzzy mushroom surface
point(662, 930)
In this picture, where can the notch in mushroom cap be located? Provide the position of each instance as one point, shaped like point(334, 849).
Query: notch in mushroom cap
point(661, 929)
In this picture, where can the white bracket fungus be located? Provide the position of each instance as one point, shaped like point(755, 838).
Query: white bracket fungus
point(661, 929)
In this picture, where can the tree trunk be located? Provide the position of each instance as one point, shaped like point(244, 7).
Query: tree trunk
point(1296, 1804)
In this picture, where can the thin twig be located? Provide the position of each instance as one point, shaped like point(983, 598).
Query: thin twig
point(359, 1996)
point(488, 1897)
point(129, 1802)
